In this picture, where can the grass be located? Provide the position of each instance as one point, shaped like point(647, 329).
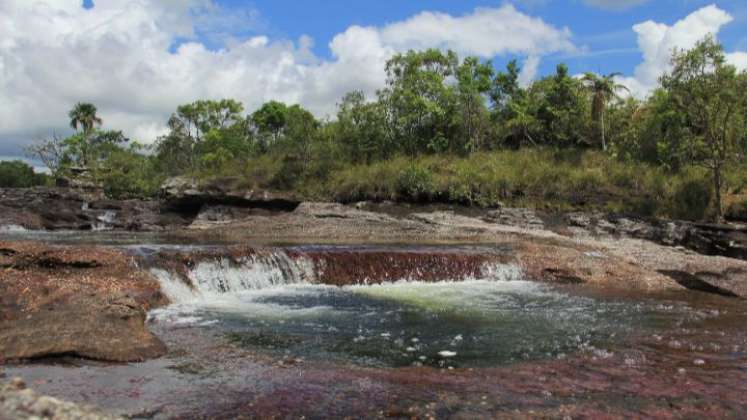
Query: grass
point(547, 179)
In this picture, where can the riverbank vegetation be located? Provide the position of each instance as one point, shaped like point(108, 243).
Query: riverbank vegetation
point(451, 130)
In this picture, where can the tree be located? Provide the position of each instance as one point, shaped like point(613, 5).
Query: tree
point(473, 83)
point(130, 173)
point(199, 117)
point(271, 118)
point(603, 89)
point(520, 120)
point(420, 105)
point(19, 174)
point(83, 115)
point(50, 151)
point(709, 94)
point(204, 133)
point(361, 128)
point(561, 109)
point(300, 132)
point(505, 87)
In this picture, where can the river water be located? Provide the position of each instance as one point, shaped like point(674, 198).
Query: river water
point(260, 336)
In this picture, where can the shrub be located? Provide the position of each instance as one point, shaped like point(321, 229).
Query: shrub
point(737, 210)
point(691, 199)
point(416, 183)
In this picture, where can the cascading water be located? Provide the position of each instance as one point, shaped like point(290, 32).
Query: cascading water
point(445, 309)
point(265, 269)
point(104, 221)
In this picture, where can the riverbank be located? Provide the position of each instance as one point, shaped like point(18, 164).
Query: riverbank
point(86, 294)
point(46, 285)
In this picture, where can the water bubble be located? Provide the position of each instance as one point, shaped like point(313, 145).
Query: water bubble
point(699, 362)
point(447, 353)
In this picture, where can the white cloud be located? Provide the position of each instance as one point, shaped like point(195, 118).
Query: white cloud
point(485, 32)
point(119, 55)
point(657, 41)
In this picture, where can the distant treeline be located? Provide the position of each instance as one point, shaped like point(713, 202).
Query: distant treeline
point(690, 133)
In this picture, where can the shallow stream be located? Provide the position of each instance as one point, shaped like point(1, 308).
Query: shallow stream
point(260, 336)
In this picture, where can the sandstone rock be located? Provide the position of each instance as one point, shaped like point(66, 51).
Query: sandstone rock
point(187, 195)
point(68, 209)
point(518, 217)
point(83, 301)
point(89, 328)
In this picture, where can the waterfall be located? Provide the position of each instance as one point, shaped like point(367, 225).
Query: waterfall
point(104, 221)
point(216, 273)
point(251, 273)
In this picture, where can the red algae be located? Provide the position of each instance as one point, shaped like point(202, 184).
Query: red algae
point(351, 267)
point(696, 368)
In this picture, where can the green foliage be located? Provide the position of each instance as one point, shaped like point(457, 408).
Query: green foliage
point(709, 95)
point(271, 118)
point(19, 174)
point(602, 90)
point(691, 198)
point(420, 104)
point(83, 115)
point(415, 183)
point(361, 129)
point(451, 130)
point(474, 82)
point(562, 109)
point(127, 173)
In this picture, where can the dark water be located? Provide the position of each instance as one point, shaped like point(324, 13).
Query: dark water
point(477, 323)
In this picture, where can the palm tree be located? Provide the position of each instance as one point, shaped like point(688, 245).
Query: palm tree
point(83, 115)
point(602, 89)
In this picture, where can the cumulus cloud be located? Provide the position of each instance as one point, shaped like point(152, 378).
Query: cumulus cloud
point(123, 56)
point(485, 32)
point(657, 41)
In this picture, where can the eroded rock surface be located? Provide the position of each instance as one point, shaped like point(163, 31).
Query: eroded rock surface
point(82, 301)
point(187, 195)
point(69, 209)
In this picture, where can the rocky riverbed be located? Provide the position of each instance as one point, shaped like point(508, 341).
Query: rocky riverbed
point(79, 274)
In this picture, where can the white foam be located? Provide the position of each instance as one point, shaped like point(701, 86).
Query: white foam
point(251, 273)
point(12, 229)
point(173, 287)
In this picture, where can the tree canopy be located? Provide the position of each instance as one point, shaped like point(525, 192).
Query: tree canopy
point(433, 103)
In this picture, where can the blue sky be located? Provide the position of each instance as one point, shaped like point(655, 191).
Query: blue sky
point(137, 60)
point(606, 31)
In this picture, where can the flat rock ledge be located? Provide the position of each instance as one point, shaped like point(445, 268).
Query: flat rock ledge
point(82, 301)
